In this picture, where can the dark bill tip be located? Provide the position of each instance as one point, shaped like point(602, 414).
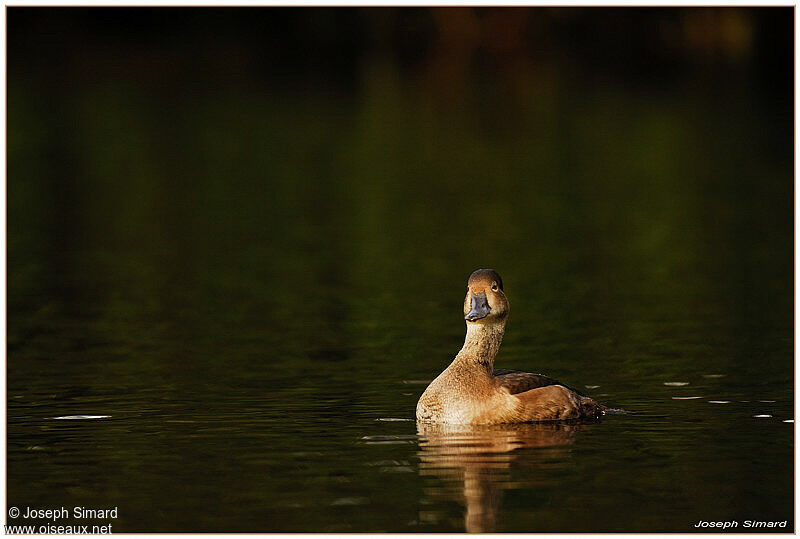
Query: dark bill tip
point(479, 307)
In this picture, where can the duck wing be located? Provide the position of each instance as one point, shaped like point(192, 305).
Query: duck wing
point(557, 403)
point(520, 381)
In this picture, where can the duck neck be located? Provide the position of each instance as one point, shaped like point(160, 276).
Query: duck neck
point(481, 345)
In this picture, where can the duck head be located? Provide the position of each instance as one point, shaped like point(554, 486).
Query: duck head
point(485, 302)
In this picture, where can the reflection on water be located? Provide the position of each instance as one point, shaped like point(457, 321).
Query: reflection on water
point(256, 283)
point(473, 464)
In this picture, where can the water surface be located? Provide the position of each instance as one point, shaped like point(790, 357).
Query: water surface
point(222, 311)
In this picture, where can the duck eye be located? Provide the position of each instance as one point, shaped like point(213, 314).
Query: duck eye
point(494, 287)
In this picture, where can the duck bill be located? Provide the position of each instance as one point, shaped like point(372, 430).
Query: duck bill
point(479, 307)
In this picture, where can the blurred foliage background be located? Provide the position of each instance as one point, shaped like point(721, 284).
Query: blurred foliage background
point(257, 151)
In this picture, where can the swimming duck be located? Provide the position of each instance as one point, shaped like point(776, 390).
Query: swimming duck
point(471, 391)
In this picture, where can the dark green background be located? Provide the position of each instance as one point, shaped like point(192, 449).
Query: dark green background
point(244, 235)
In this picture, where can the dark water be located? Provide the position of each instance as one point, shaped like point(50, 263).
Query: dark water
point(252, 291)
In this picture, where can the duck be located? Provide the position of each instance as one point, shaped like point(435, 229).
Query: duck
point(470, 391)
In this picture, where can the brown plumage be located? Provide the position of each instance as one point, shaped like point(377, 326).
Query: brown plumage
point(470, 391)
point(519, 381)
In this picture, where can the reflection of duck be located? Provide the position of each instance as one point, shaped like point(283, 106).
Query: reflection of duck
point(473, 463)
point(470, 391)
